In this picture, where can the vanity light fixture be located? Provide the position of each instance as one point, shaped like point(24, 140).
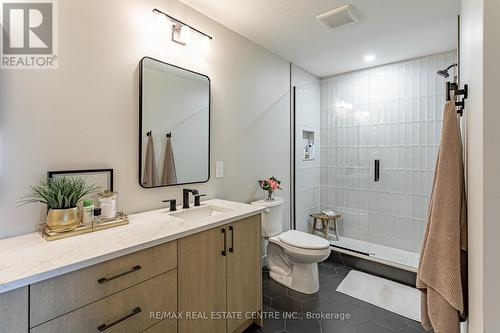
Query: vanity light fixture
point(181, 32)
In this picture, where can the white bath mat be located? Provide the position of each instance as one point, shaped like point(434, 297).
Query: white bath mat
point(389, 295)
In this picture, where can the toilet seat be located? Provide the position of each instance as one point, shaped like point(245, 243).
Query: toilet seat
point(304, 240)
point(300, 254)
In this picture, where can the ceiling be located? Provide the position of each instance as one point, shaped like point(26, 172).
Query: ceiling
point(392, 30)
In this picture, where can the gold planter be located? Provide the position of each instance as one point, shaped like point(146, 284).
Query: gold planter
point(63, 219)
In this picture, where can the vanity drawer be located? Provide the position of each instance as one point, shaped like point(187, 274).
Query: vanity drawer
point(164, 326)
point(14, 311)
point(57, 296)
point(126, 311)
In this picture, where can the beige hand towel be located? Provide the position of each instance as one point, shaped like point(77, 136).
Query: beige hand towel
point(442, 269)
point(150, 175)
point(169, 175)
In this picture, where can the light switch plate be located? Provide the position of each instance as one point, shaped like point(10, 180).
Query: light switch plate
point(219, 169)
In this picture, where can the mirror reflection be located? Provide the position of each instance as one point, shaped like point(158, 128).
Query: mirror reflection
point(174, 129)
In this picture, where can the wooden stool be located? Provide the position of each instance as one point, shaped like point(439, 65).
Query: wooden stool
point(325, 220)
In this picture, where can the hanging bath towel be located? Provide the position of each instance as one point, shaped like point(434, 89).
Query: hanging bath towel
point(442, 271)
point(169, 175)
point(150, 175)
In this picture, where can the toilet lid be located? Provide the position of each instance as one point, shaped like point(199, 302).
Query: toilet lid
point(304, 240)
point(269, 203)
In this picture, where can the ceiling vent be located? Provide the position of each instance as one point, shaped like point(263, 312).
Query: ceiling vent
point(338, 18)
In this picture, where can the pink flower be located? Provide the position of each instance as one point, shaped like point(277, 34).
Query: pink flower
point(270, 184)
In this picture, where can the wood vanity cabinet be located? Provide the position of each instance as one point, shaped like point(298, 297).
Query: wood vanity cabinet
point(244, 272)
point(214, 274)
point(14, 311)
point(202, 280)
point(117, 295)
point(62, 294)
point(219, 274)
point(126, 311)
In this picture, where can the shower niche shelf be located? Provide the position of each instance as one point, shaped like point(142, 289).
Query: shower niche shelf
point(309, 153)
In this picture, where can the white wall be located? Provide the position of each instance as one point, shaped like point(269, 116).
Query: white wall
point(307, 118)
point(85, 114)
point(480, 54)
point(491, 137)
point(471, 54)
point(391, 113)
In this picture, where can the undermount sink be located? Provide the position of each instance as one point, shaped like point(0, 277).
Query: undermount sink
point(198, 213)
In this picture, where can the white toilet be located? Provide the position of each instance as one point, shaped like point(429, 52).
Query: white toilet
point(292, 256)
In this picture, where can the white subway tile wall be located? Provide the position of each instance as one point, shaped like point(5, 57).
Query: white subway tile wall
point(307, 118)
point(391, 113)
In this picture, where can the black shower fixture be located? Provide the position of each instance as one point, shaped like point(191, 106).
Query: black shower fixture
point(444, 72)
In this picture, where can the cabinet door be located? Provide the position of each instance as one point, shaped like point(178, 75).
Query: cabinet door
point(14, 311)
point(202, 281)
point(244, 287)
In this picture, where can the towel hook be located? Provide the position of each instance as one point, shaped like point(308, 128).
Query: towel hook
point(457, 92)
point(169, 134)
point(149, 133)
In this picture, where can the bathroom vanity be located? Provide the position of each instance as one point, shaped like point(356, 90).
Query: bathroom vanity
point(195, 270)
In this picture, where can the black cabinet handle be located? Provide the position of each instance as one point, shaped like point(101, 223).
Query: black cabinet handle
point(232, 238)
point(377, 170)
point(223, 252)
point(104, 327)
point(104, 280)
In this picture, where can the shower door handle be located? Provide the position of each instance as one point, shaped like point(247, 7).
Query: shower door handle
point(377, 171)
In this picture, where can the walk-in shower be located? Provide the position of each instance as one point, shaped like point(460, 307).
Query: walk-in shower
point(390, 114)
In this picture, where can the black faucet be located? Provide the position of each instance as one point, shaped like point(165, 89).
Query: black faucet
point(185, 197)
point(173, 204)
point(197, 199)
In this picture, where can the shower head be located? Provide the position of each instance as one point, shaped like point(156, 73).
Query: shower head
point(444, 72)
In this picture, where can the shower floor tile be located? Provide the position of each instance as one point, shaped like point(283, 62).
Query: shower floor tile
point(282, 302)
point(386, 253)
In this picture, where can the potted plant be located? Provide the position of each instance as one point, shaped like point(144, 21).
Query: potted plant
point(62, 196)
point(270, 185)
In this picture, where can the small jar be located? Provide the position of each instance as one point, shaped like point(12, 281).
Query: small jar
point(87, 211)
point(108, 203)
point(97, 215)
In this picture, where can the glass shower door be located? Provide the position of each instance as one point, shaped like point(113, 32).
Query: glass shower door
point(306, 168)
point(390, 116)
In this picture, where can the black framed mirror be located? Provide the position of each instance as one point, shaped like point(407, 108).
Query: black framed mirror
point(174, 125)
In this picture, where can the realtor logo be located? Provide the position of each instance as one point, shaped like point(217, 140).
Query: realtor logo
point(28, 36)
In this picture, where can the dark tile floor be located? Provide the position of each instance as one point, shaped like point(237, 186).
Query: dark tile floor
point(286, 310)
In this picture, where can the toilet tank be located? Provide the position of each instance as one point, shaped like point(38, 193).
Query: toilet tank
point(272, 218)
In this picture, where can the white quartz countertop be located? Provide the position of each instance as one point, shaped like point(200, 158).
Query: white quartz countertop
point(29, 258)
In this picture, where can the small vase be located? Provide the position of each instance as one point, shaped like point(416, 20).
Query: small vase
point(63, 219)
point(270, 195)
